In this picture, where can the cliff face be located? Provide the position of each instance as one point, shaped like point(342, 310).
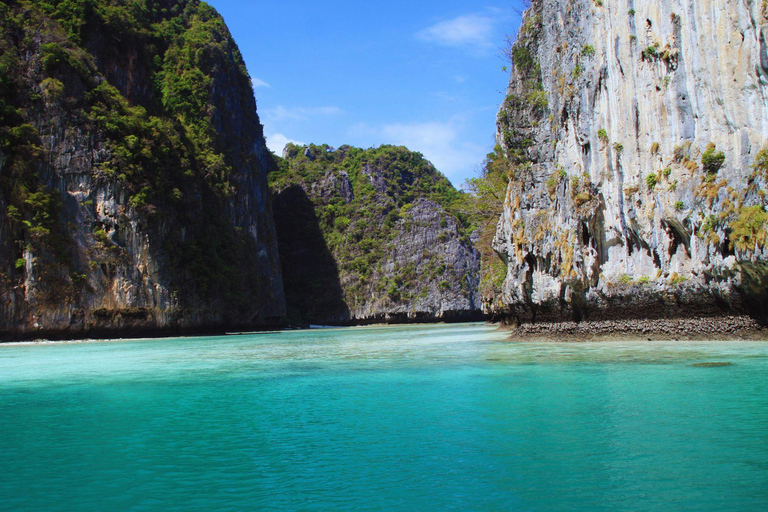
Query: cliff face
point(371, 236)
point(636, 130)
point(134, 194)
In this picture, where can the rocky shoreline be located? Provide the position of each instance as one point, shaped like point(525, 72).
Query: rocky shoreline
point(690, 329)
point(693, 328)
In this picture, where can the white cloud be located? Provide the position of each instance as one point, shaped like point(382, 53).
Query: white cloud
point(281, 113)
point(440, 143)
point(471, 30)
point(257, 82)
point(277, 141)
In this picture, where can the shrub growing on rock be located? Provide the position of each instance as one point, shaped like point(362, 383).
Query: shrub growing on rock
point(712, 160)
point(750, 229)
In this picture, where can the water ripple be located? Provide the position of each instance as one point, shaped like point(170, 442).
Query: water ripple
point(383, 418)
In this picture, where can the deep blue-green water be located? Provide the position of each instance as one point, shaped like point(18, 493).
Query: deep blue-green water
point(384, 418)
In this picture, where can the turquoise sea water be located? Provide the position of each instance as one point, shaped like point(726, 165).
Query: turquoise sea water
point(448, 417)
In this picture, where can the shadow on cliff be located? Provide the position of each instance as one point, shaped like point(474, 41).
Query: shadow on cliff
point(313, 292)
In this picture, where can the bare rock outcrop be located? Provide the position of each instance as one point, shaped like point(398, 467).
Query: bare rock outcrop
point(637, 132)
point(134, 194)
point(368, 236)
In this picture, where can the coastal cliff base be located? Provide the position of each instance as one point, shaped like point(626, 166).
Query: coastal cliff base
point(659, 329)
point(637, 177)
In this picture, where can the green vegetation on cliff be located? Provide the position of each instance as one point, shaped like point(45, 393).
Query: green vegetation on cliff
point(394, 171)
point(180, 46)
point(149, 99)
point(484, 204)
point(32, 210)
point(364, 202)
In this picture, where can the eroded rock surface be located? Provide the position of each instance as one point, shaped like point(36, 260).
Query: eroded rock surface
point(134, 194)
point(368, 236)
point(636, 130)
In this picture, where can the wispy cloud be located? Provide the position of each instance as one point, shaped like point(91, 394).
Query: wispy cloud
point(281, 113)
point(258, 82)
point(441, 143)
point(477, 32)
point(474, 31)
point(277, 141)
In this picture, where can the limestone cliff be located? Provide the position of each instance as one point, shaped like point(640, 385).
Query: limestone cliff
point(636, 131)
point(371, 236)
point(133, 166)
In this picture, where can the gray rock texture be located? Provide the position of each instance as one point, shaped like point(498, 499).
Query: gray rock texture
point(635, 128)
point(368, 236)
point(132, 259)
point(445, 270)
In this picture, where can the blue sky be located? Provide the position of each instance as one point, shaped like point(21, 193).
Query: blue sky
point(426, 74)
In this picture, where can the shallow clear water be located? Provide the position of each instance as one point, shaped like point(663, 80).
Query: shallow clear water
point(448, 417)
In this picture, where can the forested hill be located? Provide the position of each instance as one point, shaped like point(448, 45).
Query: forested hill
point(372, 235)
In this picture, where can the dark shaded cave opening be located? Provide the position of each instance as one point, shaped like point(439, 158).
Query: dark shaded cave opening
point(530, 262)
point(656, 258)
point(586, 236)
point(726, 247)
point(678, 237)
